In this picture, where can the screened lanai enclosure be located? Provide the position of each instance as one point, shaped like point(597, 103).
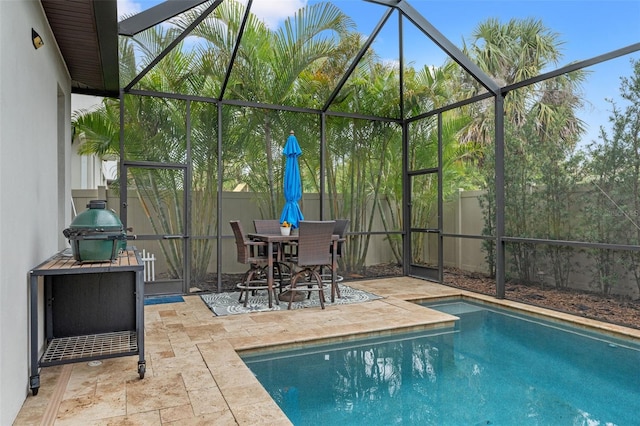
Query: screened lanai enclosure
point(499, 147)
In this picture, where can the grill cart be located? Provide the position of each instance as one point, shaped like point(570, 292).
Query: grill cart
point(93, 297)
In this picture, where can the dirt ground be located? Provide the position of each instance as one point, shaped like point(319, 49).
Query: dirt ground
point(615, 310)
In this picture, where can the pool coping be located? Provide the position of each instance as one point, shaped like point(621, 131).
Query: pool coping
point(406, 301)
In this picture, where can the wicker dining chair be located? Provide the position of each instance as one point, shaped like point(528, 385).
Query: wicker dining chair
point(247, 252)
point(272, 226)
point(340, 228)
point(267, 226)
point(280, 268)
point(314, 238)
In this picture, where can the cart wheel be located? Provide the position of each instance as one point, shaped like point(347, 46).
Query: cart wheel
point(141, 370)
point(34, 384)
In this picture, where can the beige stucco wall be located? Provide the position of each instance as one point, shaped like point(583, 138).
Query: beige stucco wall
point(35, 192)
point(462, 216)
point(237, 206)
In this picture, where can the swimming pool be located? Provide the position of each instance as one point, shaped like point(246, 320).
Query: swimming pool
point(494, 367)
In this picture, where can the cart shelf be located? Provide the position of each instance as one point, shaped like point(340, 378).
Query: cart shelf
point(89, 347)
point(91, 311)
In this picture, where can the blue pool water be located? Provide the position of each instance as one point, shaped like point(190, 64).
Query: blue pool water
point(493, 368)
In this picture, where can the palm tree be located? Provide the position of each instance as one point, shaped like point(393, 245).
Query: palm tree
point(543, 112)
point(269, 66)
point(366, 176)
point(513, 52)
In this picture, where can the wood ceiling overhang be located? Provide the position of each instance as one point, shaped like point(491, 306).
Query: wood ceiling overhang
point(86, 32)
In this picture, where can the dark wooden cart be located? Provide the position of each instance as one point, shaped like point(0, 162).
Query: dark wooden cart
point(92, 311)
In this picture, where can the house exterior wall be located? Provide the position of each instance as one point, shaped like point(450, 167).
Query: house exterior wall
point(35, 143)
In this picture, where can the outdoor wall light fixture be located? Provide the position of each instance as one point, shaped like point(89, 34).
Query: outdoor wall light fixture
point(36, 39)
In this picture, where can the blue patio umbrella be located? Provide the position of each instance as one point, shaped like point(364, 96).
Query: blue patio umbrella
point(292, 183)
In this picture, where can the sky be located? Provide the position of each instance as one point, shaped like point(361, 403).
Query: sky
point(587, 28)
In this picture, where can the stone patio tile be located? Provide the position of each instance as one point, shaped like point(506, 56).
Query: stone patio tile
point(208, 400)
point(109, 400)
point(223, 418)
point(154, 393)
point(148, 418)
point(173, 414)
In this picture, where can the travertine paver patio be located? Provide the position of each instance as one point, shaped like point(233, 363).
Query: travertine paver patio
point(194, 373)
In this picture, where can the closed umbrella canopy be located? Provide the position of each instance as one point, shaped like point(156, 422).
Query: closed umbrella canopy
point(292, 183)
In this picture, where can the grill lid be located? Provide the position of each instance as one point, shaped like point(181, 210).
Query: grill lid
point(97, 218)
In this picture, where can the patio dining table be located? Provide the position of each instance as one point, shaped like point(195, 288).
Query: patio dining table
point(273, 239)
